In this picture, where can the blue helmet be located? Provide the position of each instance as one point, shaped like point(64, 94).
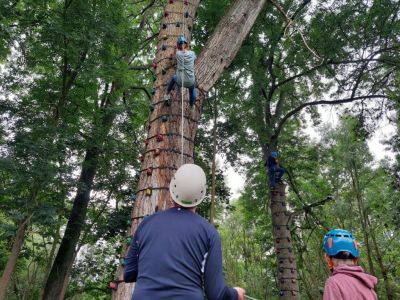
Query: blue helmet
point(339, 240)
point(274, 154)
point(181, 40)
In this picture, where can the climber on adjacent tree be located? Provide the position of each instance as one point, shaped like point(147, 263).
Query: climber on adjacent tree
point(175, 253)
point(184, 71)
point(274, 169)
point(348, 280)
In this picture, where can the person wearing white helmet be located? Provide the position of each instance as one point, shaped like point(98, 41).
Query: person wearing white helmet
point(176, 253)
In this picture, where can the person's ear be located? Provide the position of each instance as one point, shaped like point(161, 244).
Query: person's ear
point(329, 261)
point(356, 261)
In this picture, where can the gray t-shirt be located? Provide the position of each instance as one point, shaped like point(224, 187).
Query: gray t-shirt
point(185, 68)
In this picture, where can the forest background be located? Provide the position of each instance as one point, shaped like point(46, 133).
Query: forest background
point(76, 85)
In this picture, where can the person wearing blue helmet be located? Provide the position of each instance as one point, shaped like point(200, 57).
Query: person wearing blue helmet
point(348, 280)
point(275, 170)
point(185, 74)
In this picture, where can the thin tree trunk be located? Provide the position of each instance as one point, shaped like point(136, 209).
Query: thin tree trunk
point(356, 188)
point(213, 166)
point(379, 257)
point(217, 54)
point(58, 278)
point(12, 260)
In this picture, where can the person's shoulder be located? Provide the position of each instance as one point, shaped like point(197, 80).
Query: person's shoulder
point(206, 225)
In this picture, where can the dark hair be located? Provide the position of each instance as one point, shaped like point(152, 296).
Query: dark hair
point(344, 255)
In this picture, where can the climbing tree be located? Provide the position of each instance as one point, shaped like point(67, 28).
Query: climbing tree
point(163, 144)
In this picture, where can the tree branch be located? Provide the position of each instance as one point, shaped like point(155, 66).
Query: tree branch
point(321, 102)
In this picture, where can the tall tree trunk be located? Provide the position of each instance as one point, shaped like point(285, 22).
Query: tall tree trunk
point(58, 277)
point(214, 163)
point(281, 220)
point(12, 260)
point(217, 54)
point(287, 267)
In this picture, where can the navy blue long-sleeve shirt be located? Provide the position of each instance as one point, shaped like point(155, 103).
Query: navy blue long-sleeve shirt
point(171, 252)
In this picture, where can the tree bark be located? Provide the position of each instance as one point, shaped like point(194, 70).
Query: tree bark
point(217, 54)
point(12, 260)
point(287, 267)
point(56, 284)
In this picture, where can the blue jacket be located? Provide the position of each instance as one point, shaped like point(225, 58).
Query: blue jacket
point(173, 255)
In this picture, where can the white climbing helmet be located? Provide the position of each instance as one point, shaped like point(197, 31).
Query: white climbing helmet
point(188, 186)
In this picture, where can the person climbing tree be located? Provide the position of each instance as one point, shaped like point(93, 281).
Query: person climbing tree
point(348, 280)
point(274, 169)
point(185, 75)
point(173, 250)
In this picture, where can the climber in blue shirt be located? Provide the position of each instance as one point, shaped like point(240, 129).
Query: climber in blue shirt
point(275, 170)
point(176, 253)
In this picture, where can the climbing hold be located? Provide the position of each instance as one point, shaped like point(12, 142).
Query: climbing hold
point(148, 191)
point(281, 270)
point(129, 222)
point(293, 280)
point(171, 1)
point(282, 281)
point(187, 14)
point(293, 293)
point(171, 56)
point(157, 152)
point(149, 171)
point(166, 14)
point(148, 127)
point(153, 91)
point(154, 65)
point(141, 158)
point(146, 142)
point(128, 240)
point(164, 118)
point(163, 71)
point(132, 198)
point(281, 293)
point(164, 37)
point(113, 285)
point(292, 270)
point(178, 24)
point(159, 138)
point(278, 240)
point(151, 107)
point(190, 28)
point(122, 261)
point(164, 47)
point(164, 26)
point(186, 2)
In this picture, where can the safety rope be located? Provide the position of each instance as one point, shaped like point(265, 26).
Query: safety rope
point(182, 79)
